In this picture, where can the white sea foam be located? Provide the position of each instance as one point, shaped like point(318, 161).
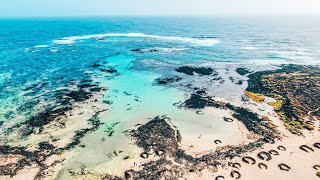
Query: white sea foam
point(249, 48)
point(304, 61)
point(41, 46)
point(293, 54)
point(193, 41)
point(169, 50)
point(54, 50)
point(266, 62)
point(164, 50)
point(63, 41)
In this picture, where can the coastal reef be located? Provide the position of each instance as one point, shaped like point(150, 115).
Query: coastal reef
point(242, 71)
point(35, 144)
point(160, 138)
point(191, 70)
point(39, 159)
point(63, 101)
point(295, 88)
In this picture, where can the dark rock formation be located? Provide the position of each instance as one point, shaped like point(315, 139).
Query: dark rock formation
point(110, 70)
point(191, 70)
point(141, 50)
point(295, 87)
point(168, 80)
point(242, 71)
point(157, 134)
point(196, 101)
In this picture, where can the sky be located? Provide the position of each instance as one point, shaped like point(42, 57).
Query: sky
point(23, 8)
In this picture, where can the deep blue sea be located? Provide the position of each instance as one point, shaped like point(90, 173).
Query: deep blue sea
point(44, 54)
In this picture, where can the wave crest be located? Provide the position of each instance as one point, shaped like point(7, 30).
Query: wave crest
point(193, 41)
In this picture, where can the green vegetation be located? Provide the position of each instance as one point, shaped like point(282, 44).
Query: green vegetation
point(259, 98)
point(278, 104)
point(295, 89)
point(310, 127)
point(291, 124)
point(271, 125)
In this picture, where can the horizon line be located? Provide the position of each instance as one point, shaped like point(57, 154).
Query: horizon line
point(167, 15)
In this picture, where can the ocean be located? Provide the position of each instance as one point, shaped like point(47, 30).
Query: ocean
point(56, 50)
point(126, 55)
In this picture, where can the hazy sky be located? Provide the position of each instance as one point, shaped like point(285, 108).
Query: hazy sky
point(9, 8)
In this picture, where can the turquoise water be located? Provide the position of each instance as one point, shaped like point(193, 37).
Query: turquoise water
point(133, 95)
point(38, 56)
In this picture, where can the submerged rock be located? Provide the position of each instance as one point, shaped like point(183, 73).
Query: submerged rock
point(79, 134)
point(242, 71)
point(100, 38)
point(168, 80)
point(63, 101)
point(142, 50)
point(95, 65)
point(191, 70)
point(110, 70)
point(197, 101)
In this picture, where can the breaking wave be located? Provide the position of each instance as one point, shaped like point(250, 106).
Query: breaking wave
point(193, 41)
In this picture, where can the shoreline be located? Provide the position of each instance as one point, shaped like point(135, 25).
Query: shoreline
point(193, 150)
